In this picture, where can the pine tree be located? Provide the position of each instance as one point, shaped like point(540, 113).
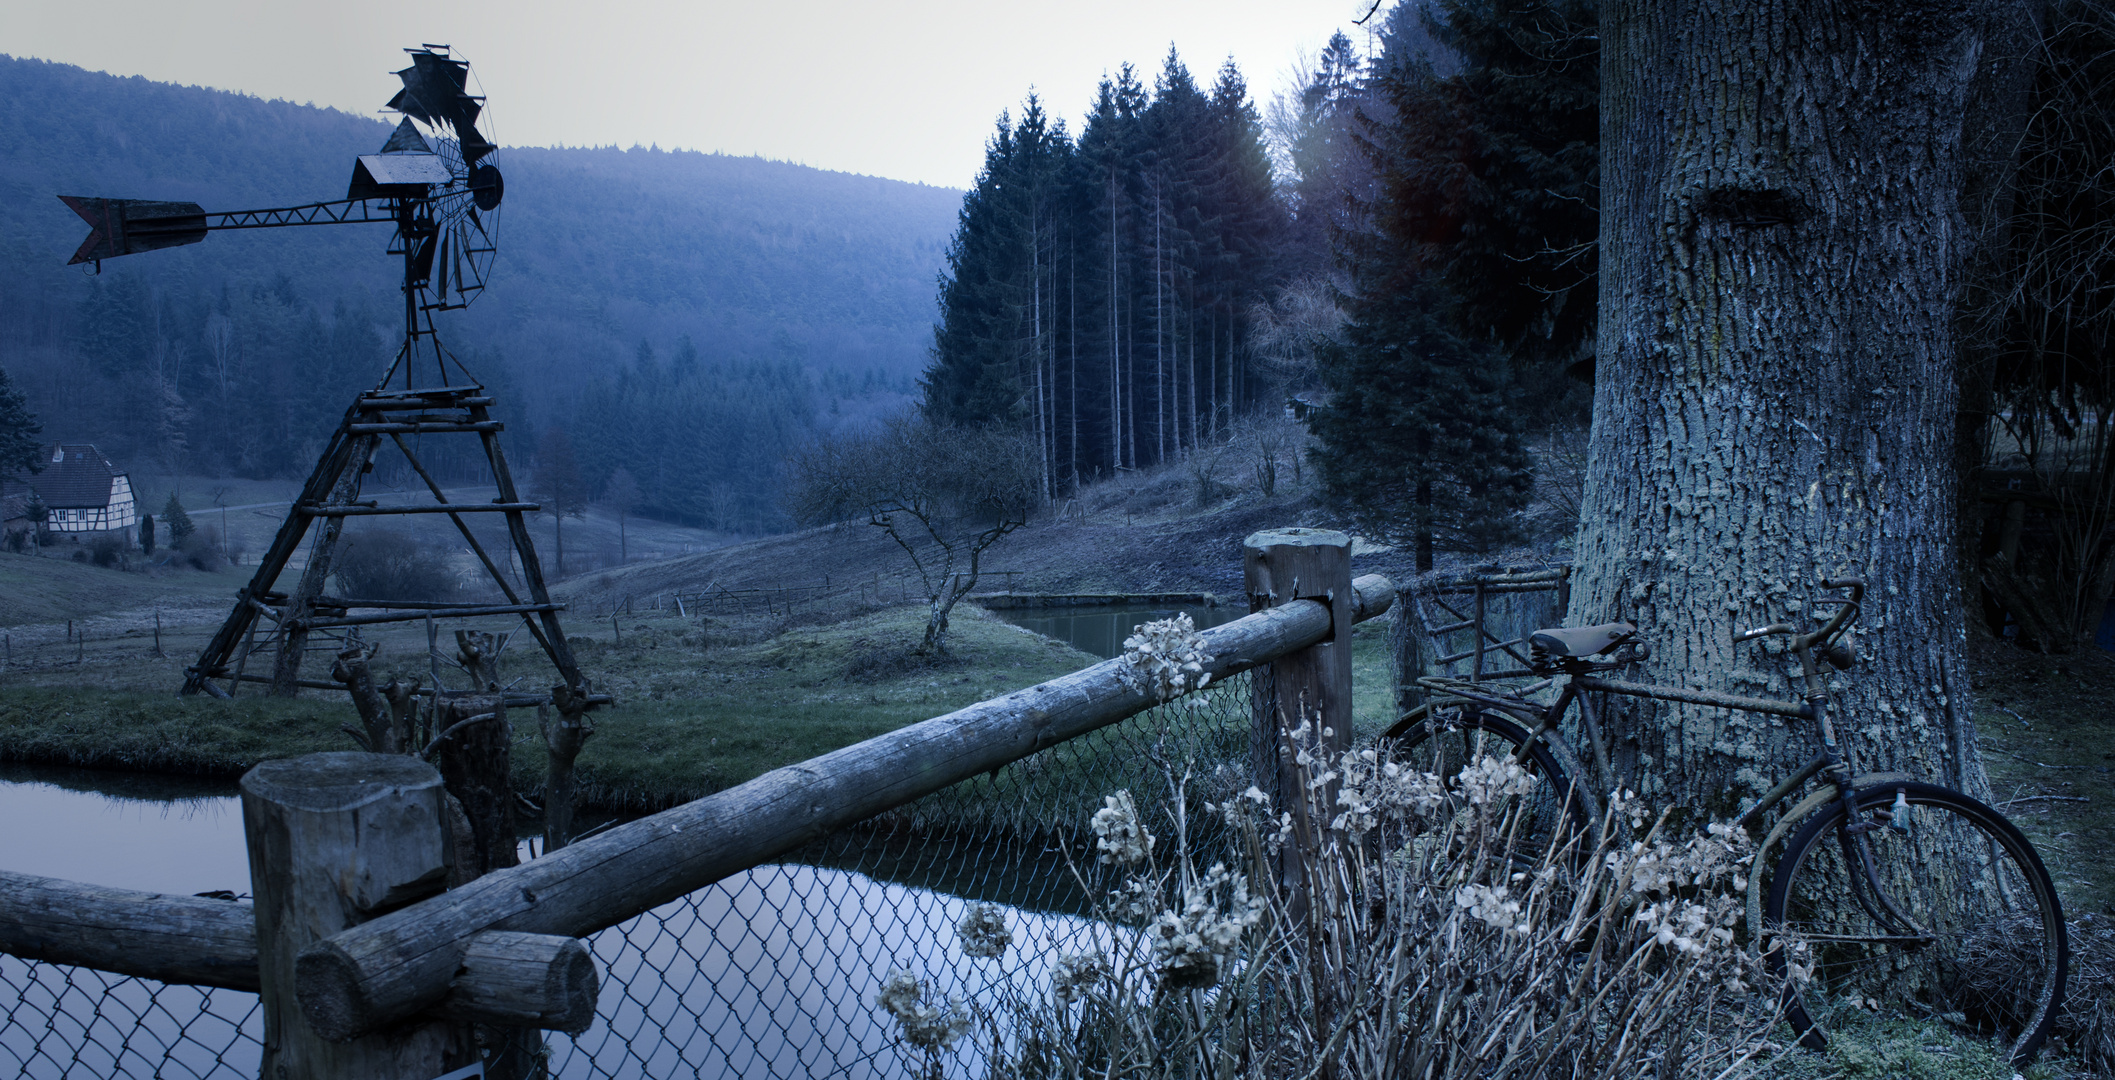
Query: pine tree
point(1501, 159)
point(179, 522)
point(19, 448)
point(1417, 442)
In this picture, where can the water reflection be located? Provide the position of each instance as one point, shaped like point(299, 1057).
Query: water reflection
point(162, 834)
point(770, 973)
point(1101, 630)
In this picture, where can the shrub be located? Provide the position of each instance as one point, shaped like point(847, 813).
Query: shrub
point(200, 549)
point(106, 550)
point(389, 564)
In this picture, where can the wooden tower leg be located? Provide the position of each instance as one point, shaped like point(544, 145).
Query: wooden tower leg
point(549, 634)
point(213, 662)
point(300, 604)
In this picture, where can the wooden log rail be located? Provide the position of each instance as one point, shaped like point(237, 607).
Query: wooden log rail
point(512, 979)
point(401, 964)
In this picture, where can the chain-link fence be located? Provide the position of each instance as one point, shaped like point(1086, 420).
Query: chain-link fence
point(769, 973)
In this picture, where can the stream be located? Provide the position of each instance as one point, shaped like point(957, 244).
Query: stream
point(1101, 629)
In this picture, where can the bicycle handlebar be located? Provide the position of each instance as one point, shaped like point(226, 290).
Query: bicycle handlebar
point(1844, 614)
point(1854, 584)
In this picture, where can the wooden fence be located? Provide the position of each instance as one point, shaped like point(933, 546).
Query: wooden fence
point(368, 967)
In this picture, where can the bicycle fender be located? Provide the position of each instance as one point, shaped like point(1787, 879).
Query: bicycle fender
point(1826, 794)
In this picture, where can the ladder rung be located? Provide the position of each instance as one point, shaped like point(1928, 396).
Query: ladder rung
point(426, 428)
point(422, 508)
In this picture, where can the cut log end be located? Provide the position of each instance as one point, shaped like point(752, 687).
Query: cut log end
point(525, 980)
point(327, 984)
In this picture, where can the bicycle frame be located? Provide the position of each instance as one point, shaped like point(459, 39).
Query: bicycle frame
point(1830, 763)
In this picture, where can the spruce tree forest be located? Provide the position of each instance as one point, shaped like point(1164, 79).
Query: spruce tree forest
point(1405, 235)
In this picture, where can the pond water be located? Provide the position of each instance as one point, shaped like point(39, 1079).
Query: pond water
point(769, 973)
point(1101, 629)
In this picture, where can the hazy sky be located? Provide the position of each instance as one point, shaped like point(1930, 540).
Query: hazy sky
point(906, 90)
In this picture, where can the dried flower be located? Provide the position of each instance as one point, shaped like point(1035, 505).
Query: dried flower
point(1121, 836)
point(984, 932)
point(1075, 973)
point(926, 1026)
point(1165, 658)
point(1193, 945)
point(1688, 926)
point(1493, 779)
point(1377, 789)
point(1494, 906)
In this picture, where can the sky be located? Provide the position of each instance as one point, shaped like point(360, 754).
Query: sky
point(907, 90)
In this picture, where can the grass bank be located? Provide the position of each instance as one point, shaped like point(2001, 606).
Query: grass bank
point(703, 704)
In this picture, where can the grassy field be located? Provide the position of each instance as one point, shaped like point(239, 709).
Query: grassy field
point(2048, 736)
point(703, 703)
point(52, 588)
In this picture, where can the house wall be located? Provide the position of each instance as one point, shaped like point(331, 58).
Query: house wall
point(121, 513)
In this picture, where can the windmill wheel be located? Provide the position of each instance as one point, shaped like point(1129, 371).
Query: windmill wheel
point(456, 221)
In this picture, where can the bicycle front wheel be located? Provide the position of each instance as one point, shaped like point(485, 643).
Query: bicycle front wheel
point(1445, 743)
point(1955, 918)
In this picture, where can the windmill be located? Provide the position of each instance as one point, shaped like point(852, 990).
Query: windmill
point(436, 181)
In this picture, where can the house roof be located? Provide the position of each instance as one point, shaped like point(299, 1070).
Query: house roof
point(76, 476)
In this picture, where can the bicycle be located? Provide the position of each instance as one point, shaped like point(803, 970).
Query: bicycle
point(1891, 883)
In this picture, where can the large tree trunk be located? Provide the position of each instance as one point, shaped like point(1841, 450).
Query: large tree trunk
point(1775, 395)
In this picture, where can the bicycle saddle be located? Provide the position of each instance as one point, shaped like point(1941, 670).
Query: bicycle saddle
point(1580, 640)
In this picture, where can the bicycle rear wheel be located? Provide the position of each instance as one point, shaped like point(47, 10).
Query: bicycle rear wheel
point(1447, 742)
point(1957, 918)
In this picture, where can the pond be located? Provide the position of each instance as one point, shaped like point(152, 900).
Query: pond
point(1101, 629)
point(772, 972)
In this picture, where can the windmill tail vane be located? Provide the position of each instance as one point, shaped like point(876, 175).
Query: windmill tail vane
point(437, 182)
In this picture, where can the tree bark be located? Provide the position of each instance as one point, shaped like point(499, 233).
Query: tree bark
point(1775, 396)
point(475, 761)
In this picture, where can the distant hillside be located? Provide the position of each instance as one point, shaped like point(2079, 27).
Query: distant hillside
point(600, 248)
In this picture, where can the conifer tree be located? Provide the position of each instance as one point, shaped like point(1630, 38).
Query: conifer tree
point(1501, 160)
point(1417, 443)
point(179, 522)
point(19, 448)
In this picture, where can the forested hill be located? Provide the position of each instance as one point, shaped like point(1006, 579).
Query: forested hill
point(769, 269)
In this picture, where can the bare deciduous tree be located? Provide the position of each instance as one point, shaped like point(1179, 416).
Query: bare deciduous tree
point(943, 494)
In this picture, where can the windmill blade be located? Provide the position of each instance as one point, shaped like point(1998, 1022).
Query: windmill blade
point(422, 263)
point(440, 288)
point(435, 91)
point(461, 238)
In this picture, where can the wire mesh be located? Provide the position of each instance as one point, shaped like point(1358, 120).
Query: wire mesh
point(773, 972)
point(62, 1023)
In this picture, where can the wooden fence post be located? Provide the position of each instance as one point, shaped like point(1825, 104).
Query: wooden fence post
point(336, 839)
point(1311, 685)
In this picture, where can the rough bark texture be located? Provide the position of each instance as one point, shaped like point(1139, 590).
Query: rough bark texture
point(563, 734)
point(1775, 397)
point(334, 840)
point(475, 762)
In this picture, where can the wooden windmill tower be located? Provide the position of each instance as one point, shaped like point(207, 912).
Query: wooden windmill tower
point(437, 183)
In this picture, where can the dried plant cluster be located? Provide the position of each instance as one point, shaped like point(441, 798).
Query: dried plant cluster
point(1427, 936)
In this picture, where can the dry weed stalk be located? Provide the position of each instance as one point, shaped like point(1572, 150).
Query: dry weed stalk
point(1428, 937)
